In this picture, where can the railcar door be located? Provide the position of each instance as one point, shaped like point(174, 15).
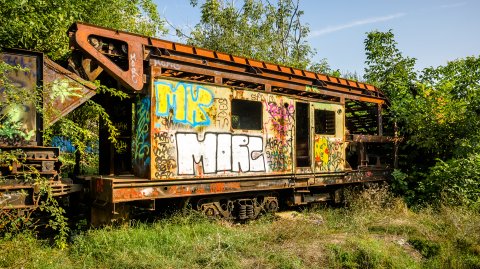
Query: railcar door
point(303, 141)
point(328, 137)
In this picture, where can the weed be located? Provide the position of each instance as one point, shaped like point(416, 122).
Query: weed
point(387, 235)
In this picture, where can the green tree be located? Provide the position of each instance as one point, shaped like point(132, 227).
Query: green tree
point(42, 25)
point(438, 116)
point(255, 29)
point(452, 130)
point(386, 67)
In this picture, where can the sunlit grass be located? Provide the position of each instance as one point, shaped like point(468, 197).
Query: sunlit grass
point(381, 233)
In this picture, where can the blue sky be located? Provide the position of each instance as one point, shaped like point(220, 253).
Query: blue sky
point(433, 31)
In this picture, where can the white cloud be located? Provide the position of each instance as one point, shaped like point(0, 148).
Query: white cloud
point(336, 28)
point(453, 5)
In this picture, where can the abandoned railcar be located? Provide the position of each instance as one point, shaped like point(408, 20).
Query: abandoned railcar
point(232, 136)
point(237, 136)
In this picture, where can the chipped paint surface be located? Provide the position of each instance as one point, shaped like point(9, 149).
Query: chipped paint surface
point(192, 134)
point(63, 92)
point(329, 149)
point(329, 156)
point(25, 113)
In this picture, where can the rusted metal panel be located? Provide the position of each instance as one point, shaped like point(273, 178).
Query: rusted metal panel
point(63, 91)
point(28, 79)
point(205, 53)
point(239, 60)
point(222, 56)
point(112, 190)
point(372, 138)
point(199, 188)
point(82, 34)
point(310, 74)
point(43, 159)
point(101, 191)
point(14, 199)
point(20, 192)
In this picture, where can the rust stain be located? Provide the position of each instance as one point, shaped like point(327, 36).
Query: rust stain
point(217, 187)
point(99, 185)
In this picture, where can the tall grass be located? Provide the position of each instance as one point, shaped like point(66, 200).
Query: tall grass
point(374, 230)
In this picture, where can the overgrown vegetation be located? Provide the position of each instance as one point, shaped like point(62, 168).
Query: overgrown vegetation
point(378, 232)
point(41, 26)
point(15, 132)
point(438, 116)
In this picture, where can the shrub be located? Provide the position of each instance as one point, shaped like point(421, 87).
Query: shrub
point(454, 182)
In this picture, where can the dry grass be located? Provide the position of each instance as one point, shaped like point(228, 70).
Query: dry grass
point(375, 230)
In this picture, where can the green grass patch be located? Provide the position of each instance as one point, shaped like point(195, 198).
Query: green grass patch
point(381, 236)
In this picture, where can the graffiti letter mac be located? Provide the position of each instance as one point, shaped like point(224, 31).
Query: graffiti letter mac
point(219, 152)
point(186, 101)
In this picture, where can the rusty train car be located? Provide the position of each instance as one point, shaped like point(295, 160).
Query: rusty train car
point(18, 190)
point(232, 136)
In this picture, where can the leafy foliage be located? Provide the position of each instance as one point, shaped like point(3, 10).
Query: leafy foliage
point(41, 25)
point(456, 90)
point(255, 29)
point(386, 67)
point(457, 181)
point(437, 112)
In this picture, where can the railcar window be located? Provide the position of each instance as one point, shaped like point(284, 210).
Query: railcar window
point(246, 115)
point(324, 122)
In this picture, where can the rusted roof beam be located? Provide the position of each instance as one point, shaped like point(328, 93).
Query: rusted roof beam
point(140, 48)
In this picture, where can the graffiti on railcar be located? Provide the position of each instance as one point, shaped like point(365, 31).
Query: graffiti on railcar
point(163, 152)
point(219, 152)
point(193, 133)
point(187, 101)
point(278, 154)
point(220, 113)
point(328, 154)
point(280, 124)
point(22, 114)
point(141, 142)
point(281, 117)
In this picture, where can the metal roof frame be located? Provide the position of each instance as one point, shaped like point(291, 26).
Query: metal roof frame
point(171, 55)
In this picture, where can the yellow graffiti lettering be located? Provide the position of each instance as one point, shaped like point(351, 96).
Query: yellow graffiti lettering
point(186, 101)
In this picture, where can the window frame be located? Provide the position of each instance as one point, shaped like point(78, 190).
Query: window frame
point(327, 131)
point(249, 113)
